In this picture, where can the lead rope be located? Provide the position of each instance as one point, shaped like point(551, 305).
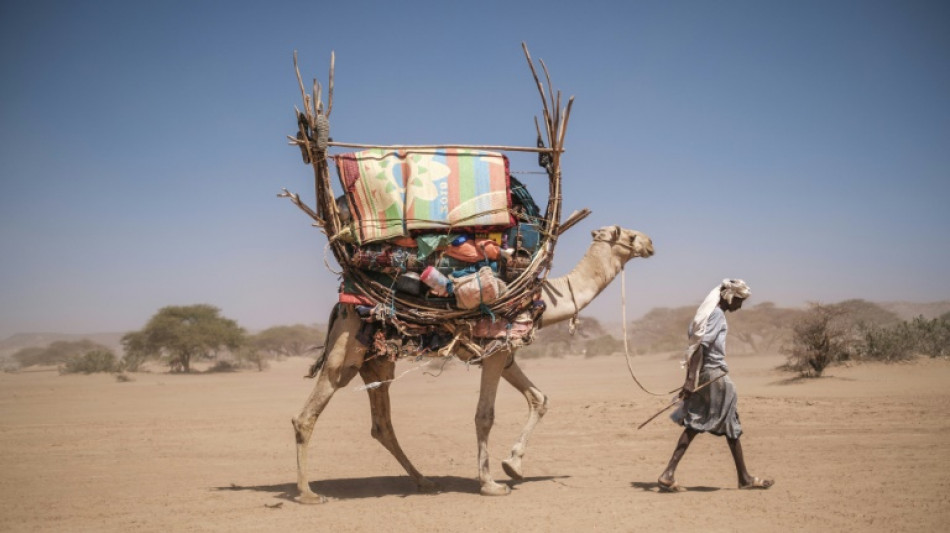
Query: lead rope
point(572, 324)
point(623, 317)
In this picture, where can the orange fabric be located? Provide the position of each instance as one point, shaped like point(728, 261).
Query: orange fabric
point(355, 299)
point(474, 251)
point(405, 242)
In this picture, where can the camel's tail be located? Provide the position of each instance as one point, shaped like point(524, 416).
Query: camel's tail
point(322, 358)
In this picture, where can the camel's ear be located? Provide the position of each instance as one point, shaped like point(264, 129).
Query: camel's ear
point(615, 231)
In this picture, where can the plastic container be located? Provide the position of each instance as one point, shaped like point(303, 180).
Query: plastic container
point(438, 283)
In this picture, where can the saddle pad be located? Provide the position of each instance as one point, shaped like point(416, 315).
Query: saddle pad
point(395, 192)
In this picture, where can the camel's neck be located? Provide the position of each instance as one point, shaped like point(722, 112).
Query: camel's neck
point(567, 295)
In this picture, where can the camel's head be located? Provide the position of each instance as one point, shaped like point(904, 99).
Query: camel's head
point(626, 243)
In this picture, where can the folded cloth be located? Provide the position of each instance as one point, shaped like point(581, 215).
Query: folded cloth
point(394, 192)
point(472, 251)
point(373, 181)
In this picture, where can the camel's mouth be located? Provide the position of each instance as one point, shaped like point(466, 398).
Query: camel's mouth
point(648, 251)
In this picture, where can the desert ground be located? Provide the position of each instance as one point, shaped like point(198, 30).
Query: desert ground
point(866, 448)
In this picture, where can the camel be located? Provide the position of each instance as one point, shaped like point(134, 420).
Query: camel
point(344, 357)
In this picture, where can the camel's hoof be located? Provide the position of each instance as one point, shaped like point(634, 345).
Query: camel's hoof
point(311, 498)
point(495, 489)
point(426, 486)
point(512, 467)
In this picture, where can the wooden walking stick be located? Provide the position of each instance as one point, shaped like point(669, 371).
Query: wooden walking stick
point(674, 402)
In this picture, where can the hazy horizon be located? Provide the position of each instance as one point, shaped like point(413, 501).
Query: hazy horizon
point(804, 147)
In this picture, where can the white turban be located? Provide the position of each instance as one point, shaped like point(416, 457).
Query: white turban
point(731, 288)
point(727, 290)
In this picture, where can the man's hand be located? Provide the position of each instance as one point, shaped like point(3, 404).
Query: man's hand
point(686, 391)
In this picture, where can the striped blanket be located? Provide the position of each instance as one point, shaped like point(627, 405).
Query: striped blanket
point(395, 192)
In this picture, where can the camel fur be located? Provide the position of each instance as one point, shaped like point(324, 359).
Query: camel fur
point(344, 358)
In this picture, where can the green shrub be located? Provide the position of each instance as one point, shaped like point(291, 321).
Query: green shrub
point(906, 340)
point(932, 336)
point(57, 353)
point(888, 344)
point(94, 361)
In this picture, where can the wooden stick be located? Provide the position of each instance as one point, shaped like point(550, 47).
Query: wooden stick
point(567, 117)
point(317, 96)
point(544, 100)
point(555, 102)
point(573, 219)
point(500, 148)
point(674, 402)
point(330, 88)
point(303, 91)
point(295, 198)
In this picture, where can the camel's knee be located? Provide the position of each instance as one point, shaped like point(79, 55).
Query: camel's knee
point(538, 401)
point(341, 376)
point(485, 419)
point(302, 430)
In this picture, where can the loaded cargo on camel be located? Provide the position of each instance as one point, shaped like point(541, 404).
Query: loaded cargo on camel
point(437, 243)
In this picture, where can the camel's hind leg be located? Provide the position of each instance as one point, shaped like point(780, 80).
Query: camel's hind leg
point(537, 406)
point(382, 371)
point(344, 355)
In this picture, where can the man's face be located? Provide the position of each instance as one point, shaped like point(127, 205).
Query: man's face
point(735, 305)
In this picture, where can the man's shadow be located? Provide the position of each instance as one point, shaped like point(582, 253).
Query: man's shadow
point(653, 486)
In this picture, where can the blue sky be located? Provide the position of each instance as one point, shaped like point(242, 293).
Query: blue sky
point(803, 146)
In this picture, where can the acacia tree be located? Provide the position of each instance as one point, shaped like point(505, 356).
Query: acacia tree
point(136, 350)
point(184, 333)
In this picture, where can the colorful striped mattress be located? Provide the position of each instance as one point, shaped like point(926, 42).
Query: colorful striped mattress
point(393, 193)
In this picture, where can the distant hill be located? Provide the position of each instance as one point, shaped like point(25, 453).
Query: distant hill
point(911, 310)
point(764, 327)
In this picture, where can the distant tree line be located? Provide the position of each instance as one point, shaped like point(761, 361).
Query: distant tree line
point(177, 336)
point(811, 339)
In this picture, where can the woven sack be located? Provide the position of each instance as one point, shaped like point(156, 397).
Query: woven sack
point(482, 287)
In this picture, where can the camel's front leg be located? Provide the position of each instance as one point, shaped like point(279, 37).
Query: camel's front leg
point(484, 418)
point(343, 358)
point(382, 371)
point(537, 406)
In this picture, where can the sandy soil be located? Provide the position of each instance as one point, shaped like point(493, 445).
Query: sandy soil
point(865, 448)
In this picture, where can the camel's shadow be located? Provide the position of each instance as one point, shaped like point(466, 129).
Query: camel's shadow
point(375, 487)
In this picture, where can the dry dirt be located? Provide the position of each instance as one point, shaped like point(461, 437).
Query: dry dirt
point(864, 449)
